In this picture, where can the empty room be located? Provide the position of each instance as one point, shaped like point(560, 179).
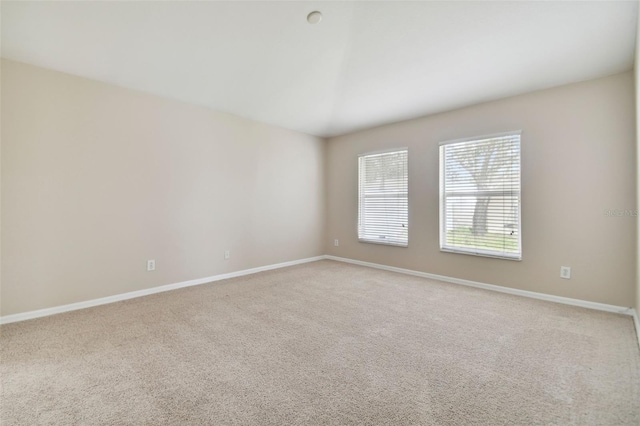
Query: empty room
point(319, 213)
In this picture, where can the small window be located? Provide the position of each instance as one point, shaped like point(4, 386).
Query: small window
point(480, 196)
point(383, 207)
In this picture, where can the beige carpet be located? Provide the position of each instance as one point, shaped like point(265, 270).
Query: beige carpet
point(323, 343)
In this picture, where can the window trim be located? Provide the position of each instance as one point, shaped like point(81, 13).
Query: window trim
point(442, 200)
point(378, 152)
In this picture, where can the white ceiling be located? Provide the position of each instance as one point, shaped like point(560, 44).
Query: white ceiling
point(366, 63)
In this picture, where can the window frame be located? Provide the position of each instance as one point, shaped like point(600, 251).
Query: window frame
point(360, 197)
point(442, 200)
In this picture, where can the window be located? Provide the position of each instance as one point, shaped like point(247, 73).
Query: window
point(383, 207)
point(480, 196)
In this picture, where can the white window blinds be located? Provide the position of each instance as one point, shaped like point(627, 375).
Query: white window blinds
point(383, 207)
point(480, 196)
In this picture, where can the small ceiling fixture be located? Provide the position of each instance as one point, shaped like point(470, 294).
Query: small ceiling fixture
point(314, 17)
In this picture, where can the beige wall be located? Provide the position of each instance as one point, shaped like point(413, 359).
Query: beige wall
point(637, 93)
point(578, 159)
point(98, 179)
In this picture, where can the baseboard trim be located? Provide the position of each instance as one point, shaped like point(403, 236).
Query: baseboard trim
point(636, 321)
point(140, 293)
point(531, 294)
point(493, 287)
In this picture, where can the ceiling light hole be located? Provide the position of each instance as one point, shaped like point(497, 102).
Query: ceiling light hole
point(314, 17)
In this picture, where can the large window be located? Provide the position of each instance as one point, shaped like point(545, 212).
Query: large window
point(383, 207)
point(480, 196)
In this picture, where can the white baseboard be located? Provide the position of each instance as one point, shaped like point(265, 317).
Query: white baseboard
point(508, 290)
point(131, 295)
point(541, 296)
point(636, 321)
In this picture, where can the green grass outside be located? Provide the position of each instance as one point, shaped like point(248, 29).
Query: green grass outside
point(462, 237)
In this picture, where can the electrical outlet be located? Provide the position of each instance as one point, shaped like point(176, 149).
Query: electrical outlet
point(227, 254)
point(565, 272)
point(151, 265)
point(336, 242)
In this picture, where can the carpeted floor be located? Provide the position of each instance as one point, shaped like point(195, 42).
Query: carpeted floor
point(323, 343)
